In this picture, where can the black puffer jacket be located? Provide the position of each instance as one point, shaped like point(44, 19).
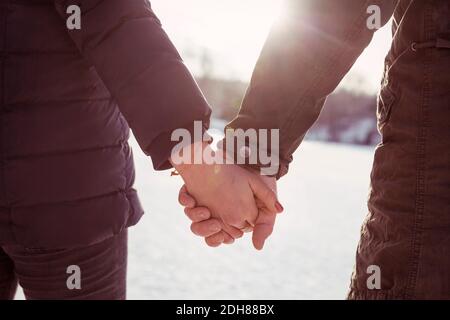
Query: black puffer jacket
point(66, 101)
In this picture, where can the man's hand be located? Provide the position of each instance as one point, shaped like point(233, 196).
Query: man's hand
point(203, 224)
point(202, 220)
point(231, 195)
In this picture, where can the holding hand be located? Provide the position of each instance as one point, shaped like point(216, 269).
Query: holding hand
point(236, 198)
point(205, 225)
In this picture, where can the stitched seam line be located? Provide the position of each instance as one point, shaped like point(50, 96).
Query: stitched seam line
point(72, 201)
point(60, 103)
point(416, 240)
point(38, 52)
point(66, 152)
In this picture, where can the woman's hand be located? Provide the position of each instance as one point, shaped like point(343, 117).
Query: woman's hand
point(204, 225)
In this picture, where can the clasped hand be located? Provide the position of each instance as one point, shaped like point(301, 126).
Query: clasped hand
point(224, 200)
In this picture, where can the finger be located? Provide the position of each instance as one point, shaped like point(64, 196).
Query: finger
point(206, 228)
point(263, 228)
point(236, 226)
point(241, 222)
point(216, 239)
point(185, 199)
point(232, 231)
point(197, 214)
point(261, 204)
point(227, 238)
point(266, 195)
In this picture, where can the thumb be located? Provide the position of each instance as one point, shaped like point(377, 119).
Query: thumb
point(265, 195)
point(263, 228)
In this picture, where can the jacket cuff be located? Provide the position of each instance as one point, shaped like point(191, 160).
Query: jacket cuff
point(241, 148)
point(161, 148)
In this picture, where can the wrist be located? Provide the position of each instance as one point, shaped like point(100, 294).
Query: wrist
point(187, 157)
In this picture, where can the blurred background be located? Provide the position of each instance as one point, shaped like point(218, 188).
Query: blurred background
point(221, 41)
point(311, 253)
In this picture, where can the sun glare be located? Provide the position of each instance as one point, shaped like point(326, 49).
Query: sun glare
point(233, 32)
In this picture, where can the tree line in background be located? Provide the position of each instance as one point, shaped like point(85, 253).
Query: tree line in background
point(347, 117)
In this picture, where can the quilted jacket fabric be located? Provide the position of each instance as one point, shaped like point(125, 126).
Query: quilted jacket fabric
point(67, 100)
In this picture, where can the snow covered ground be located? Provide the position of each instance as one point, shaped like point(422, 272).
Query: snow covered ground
point(309, 256)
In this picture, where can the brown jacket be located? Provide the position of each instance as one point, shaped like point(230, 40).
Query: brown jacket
point(407, 230)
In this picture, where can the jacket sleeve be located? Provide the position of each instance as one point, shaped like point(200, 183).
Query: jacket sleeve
point(305, 57)
point(124, 41)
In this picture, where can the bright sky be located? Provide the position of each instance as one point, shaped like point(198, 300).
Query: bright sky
point(233, 32)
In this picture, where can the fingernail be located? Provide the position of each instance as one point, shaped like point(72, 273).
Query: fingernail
point(215, 228)
point(231, 241)
point(279, 207)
